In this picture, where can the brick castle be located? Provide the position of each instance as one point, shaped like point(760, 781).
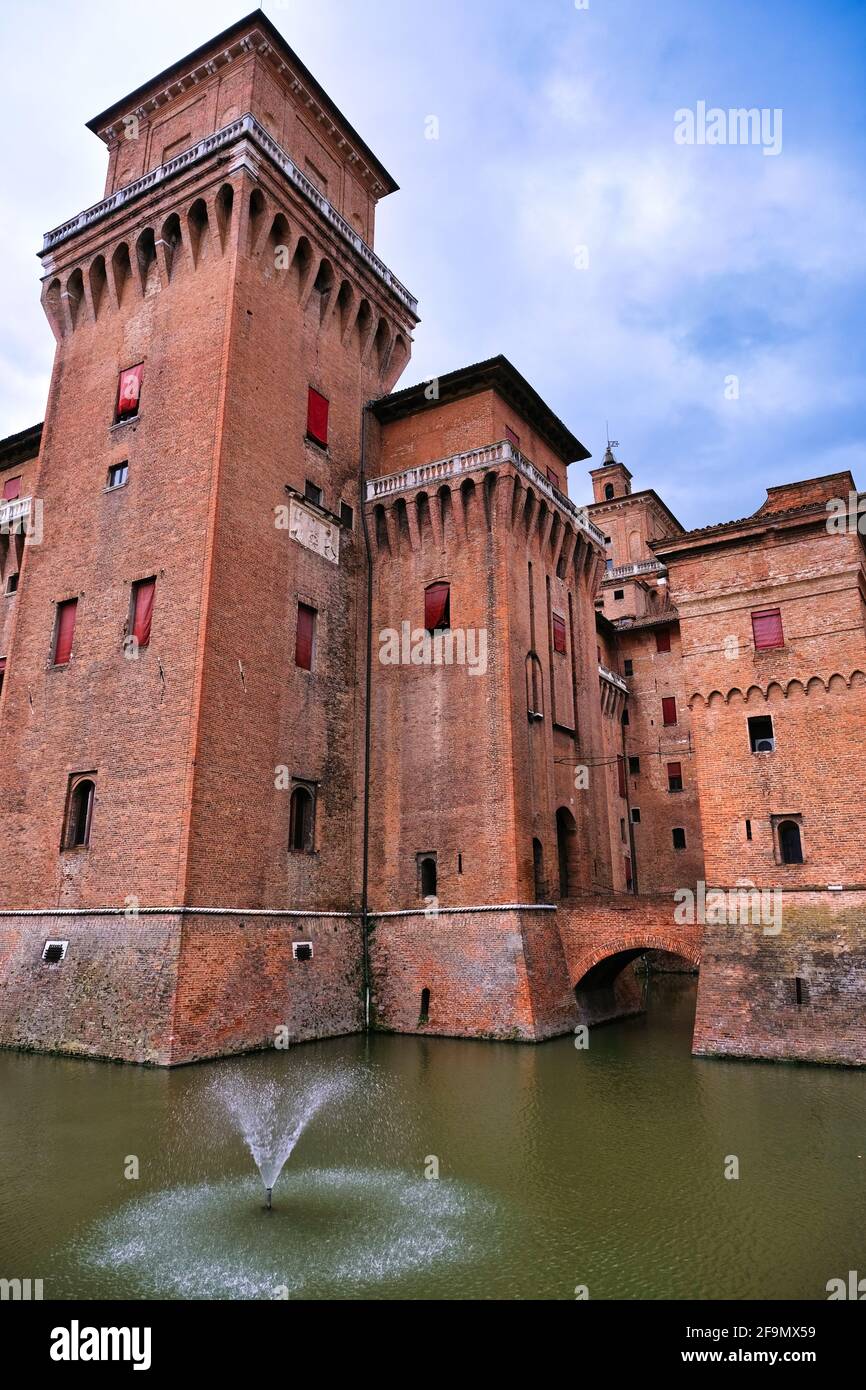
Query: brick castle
point(323, 706)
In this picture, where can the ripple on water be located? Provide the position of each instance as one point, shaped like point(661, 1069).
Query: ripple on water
point(339, 1230)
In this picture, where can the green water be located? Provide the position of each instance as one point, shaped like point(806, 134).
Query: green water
point(557, 1168)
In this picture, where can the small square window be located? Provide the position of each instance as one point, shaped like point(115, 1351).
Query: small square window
point(118, 474)
point(608, 564)
point(767, 629)
point(347, 516)
point(675, 777)
point(678, 836)
point(619, 593)
point(512, 436)
point(313, 493)
point(669, 710)
point(663, 640)
point(12, 584)
point(634, 767)
point(12, 489)
point(635, 815)
point(53, 952)
point(553, 477)
point(302, 950)
point(628, 667)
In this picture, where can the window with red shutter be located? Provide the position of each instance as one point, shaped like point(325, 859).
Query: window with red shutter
point(317, 417)
point(11, 489)
point(663, 640)
point(669, 710)
point(675, 777)
point(129, 392)
point(64, 631)
point(620, 774)
point(553, 477)
point(143, 595)
point(304, 634)
point(558, 633)
point(437, 606)
point(767, 629)
point(512, 436)
point(628, 873)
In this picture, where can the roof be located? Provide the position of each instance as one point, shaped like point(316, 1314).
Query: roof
point(19, 448)
point(644, 494)
point(770, 512)
point(494, 374)
point(259, 18)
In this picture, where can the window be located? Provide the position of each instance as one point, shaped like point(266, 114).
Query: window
point(608, 540)
point(625, 717)
point(141, 611)
point(622, 834)
point(790, 843)
point(301, 818)
point(675, 777)
point(53, 952)
point(302, 950)
point(79, 811)
point(437, 606)
point(347, 516)
point(799, 991)
point(608, 564)
point(619, 593)
point(12, 584)
point(628, 667)
point(635, 815)
point(608, 492)
point(64, 631)
point(748, 830)
point(427, 875)
point(512, 436)
point(558, 633)
point(678, 835)
point(313, 493)
point(663, 640)
point(128, 393)
point(669, 710)
point(761, 737)
point(620, 774)
point(424, 1015)
point(317, 417)
point(2, 672)
point(118, 474)
point(305, 633)
point(628, 874)
point(553, 477)
point(11, 489)
point(767, 629)
point(634, 767)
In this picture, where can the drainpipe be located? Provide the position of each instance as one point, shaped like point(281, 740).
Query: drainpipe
point(368, 678)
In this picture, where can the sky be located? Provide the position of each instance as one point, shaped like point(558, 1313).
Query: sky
point(705, 299)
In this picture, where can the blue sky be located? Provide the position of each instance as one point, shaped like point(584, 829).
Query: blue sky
point(555, 132)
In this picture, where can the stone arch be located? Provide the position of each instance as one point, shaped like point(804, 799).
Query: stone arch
point(75, 297)
point(469, 500)
point(121, 272)
point(363, 327)
point(446, 513)
point(382, 344)
point(345, 301)
point(422, 512)
point(224, 205)
point(302, 264)
point(98, 283)
point(277, 248)
point(198, 227)
point(145, 260)
point(171, 241)
point(52, 303)
point(256, 219)
point(399, 357)
point(323, 287)
point(605, 988)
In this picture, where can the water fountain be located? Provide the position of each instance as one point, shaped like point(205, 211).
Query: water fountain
point(272, 1116)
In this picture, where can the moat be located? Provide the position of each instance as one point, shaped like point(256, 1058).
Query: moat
point(557, 1168)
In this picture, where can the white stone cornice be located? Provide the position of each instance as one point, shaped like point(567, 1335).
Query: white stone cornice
point(245, 127)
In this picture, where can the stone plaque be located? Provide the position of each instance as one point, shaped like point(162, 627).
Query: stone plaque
point(314, 533)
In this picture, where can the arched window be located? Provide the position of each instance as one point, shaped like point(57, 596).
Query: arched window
point(566, 846)
point(79, 812)
point(301, 819)
point(790, 844)
point(608, 492)
point(427, 871)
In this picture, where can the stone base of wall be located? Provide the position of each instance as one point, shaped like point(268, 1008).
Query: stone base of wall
point(747, 997)
point(174, 987)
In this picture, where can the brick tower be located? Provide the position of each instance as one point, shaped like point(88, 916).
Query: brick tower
point(180, 713)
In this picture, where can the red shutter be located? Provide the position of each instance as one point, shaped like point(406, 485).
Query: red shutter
point(304, 637)
point(65, 631)
point(144, 593)
point(317, 417)
point(512, 436)
point(620, 774)
point(663, 640)
point(669, 710)
point(11, 489)
point(129, 391)
point(767, 629)
point(558, 633)
point(675, 770)
point(553, 477)
point(437, 606)
point(628, 877)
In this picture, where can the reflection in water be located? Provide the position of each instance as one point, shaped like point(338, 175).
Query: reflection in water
point(557, 1167)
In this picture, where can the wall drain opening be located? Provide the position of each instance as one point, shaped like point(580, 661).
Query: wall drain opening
point(302, 950)
point(53, 952)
